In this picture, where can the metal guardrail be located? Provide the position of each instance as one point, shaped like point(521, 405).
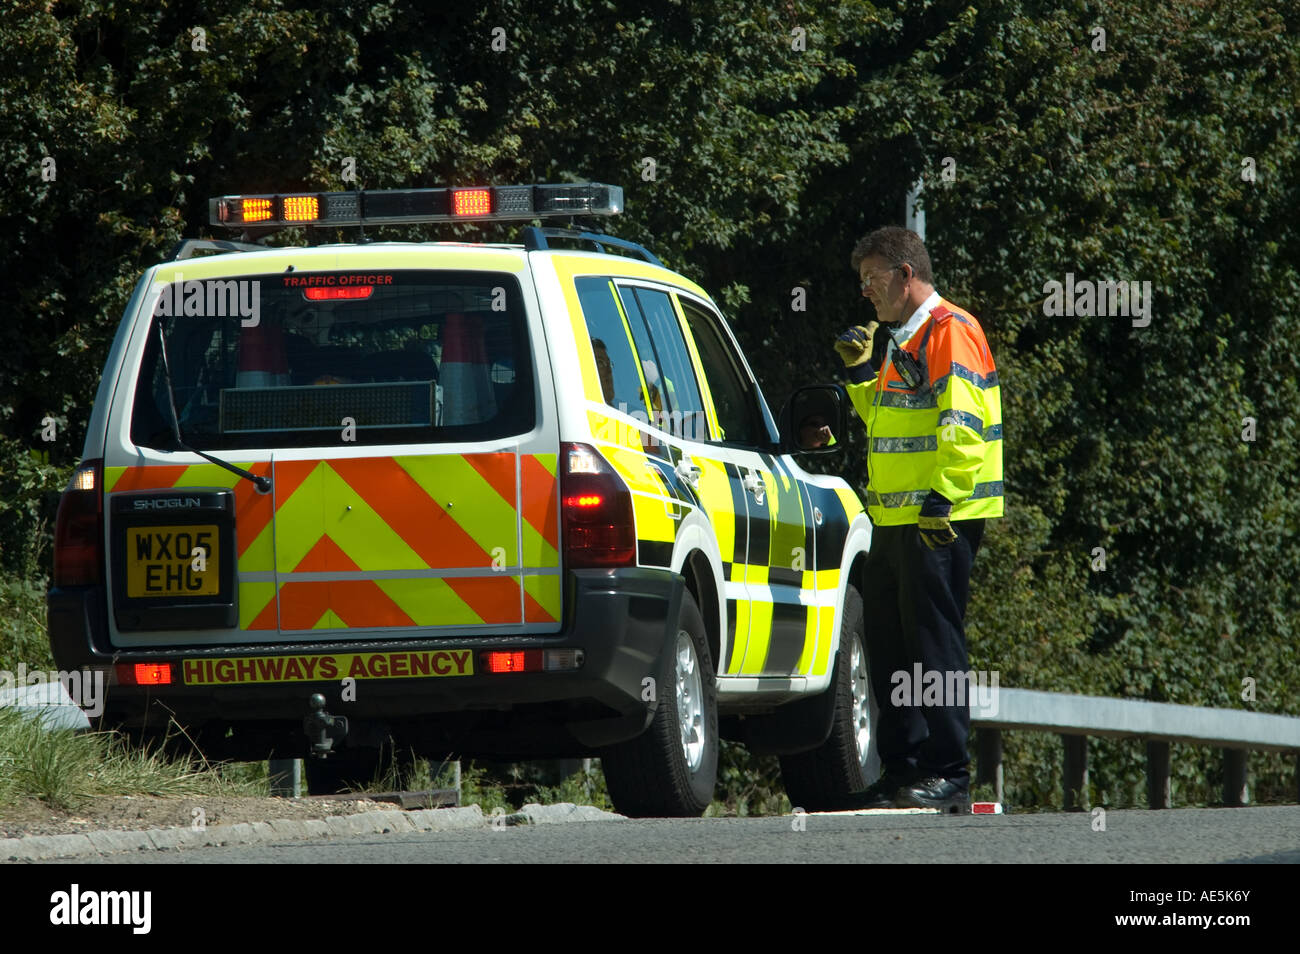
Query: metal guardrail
point(1073, 717)
point(1077, 717)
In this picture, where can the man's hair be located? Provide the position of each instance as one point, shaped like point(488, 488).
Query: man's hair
point(897, 246)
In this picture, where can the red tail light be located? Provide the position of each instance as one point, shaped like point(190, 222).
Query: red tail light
point(79, 528)
point(599, 528)
point(144, 674)
point(522, 660)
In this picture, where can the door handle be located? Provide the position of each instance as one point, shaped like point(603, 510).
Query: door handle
point(689, 472)
point(754, 484)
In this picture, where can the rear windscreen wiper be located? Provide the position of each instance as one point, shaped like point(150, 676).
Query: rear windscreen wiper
point(263, 484)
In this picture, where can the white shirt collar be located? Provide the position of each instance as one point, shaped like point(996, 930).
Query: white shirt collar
point(918, 317)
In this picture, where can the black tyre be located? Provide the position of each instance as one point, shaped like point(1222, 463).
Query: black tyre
point(671, 768)
point(847, 762)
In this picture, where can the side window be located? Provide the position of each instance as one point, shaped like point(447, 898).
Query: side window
point(615, 362)
point(732, 390)
point(665, 363)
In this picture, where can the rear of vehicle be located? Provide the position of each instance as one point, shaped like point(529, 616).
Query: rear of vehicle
point(405, 557)
point(458, 500)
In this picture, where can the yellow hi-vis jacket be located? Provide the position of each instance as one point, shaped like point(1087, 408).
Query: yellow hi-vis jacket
point(944, 435)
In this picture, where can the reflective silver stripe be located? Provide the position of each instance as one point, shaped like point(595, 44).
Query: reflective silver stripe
point(904, 445)
point(983, 382)
point(915, 402)
point(993, 433)
point(964, 418)
point(269, 576)
point(911, 498)
point(905, 498)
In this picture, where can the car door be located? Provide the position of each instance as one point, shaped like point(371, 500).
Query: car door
point(778, 628)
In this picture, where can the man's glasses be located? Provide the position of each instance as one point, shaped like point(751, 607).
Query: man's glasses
point(866, 282)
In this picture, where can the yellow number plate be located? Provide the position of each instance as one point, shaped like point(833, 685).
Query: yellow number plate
point(172, 561)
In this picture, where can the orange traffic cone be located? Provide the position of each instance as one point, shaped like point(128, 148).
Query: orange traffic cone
point(262, 361)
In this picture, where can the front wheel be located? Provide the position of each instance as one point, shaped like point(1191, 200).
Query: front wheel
point(671, 768)
point(825, 778)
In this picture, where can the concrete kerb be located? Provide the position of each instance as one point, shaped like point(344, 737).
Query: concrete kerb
point(46, 847)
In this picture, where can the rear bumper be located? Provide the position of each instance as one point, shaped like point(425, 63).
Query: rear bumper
point(620, 620)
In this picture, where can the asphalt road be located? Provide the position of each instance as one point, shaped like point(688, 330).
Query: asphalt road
point(1187, 836)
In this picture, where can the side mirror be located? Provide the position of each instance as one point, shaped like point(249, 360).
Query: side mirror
point(815, 420)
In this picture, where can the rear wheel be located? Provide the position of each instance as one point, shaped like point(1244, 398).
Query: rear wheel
point(824, 778)
point(670, 769)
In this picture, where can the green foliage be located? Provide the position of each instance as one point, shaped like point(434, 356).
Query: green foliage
point(1124, 163)
point(23, 636)
point(64, 767)
point(747, 784)
point(29, 487)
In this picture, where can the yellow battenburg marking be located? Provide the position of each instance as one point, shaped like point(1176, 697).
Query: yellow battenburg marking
point(253, 598)
point(742, 638)
point(360, 532)
point(652, 523)
point(715, 495)
point(639, 476)
point(852, 505)
point(760, 636)
point(828, 582)
point(825, 636)
point(810, 633)
point(430, 602)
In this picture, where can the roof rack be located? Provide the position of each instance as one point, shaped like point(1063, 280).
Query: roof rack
point(534, 240)
point(187, 247)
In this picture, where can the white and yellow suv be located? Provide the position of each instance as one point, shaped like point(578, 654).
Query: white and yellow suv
point(503, 501)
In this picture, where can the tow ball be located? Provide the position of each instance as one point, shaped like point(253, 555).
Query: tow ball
point(322, 729)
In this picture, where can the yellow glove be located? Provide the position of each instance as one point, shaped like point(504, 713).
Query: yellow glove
point(933, 524)
point(854, 348)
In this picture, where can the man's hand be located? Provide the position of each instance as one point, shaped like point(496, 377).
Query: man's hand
point(854, 348)
point(933, 525)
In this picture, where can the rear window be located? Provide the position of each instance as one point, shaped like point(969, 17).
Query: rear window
point(310, 358)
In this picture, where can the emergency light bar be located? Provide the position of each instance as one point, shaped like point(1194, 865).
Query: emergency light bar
point(406, 206)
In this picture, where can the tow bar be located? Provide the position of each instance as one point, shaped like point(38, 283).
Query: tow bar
point(323, 729)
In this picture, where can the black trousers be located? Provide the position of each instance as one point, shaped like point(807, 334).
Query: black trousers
point(915, 600)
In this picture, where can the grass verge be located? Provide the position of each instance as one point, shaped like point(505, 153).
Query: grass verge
point(62, 767)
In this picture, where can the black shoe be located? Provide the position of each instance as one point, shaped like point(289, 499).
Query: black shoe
point(881, 794)
point(934, 792)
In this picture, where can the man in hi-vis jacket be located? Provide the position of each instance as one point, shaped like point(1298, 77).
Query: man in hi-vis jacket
point(923, 381)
